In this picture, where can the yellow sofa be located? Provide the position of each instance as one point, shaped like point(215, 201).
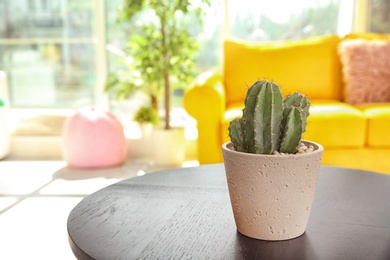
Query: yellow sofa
point(354, 136)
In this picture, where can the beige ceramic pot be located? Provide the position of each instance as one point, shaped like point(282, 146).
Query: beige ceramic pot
point(168, 146)
point(271, 195)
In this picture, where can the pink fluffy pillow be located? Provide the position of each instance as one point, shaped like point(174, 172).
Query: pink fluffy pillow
point(366, 71)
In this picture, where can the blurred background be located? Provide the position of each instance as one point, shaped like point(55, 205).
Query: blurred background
point(57, 53)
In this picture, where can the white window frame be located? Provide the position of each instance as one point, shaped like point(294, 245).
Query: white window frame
point(98, 39)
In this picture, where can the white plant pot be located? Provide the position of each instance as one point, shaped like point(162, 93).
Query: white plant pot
point(271, 195)
point(169, 146)
point(146, 129)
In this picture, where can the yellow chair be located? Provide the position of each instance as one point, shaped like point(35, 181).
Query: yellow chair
point(311, 66)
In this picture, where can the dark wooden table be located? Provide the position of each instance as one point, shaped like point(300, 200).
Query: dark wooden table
point(185, 214)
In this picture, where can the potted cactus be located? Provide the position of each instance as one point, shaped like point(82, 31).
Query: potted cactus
point(271, 172)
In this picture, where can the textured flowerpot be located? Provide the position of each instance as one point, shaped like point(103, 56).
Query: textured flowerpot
point(271, 195)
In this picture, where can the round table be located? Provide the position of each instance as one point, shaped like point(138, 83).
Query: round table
point(185, 213)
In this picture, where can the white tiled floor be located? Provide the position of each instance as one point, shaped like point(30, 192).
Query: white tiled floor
point(36, 198)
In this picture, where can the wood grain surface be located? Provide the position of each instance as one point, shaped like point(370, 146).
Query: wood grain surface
point(186, 214)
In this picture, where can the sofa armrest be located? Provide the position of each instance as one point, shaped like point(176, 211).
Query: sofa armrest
point(205, 101)
point(206, 96)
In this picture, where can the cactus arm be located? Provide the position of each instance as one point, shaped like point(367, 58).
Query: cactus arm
point(292, 129)
point(293, 100)
point(300, 101)
point(236, 134)
point(305, 109)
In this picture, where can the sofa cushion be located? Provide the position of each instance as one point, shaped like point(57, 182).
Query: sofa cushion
point(310, 66)
point(336, 124)
point(365, 70)
point(378, 124)
point(331, 123)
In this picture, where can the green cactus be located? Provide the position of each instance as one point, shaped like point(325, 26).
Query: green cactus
point(300, 101)
point(236, 134)
point(268, 123)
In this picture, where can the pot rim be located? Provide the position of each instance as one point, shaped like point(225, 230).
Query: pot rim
point(319, 149)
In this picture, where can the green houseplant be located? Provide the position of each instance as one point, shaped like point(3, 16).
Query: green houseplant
point(161, 48)
point(162, 53)
point(146, 117)
point(270, 124)
point(271, 172)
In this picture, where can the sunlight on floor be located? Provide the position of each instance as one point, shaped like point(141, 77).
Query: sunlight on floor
point(36, 198)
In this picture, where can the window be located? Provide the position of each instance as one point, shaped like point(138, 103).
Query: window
point(378, 15)
point(266, 20)
point(52, 50)
point(48, 51)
